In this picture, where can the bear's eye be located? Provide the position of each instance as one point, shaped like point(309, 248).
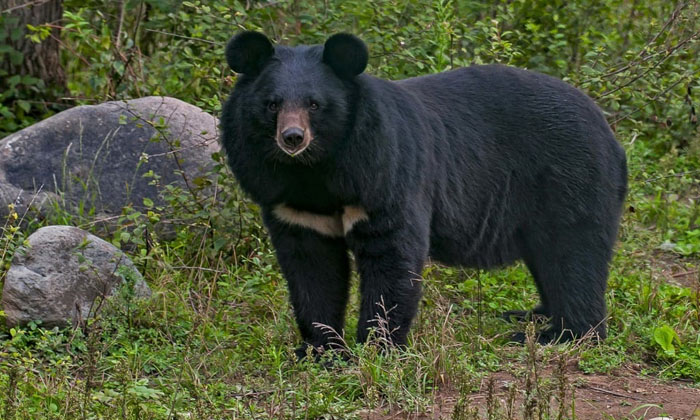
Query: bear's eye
point(313, 106)
point(272, 107)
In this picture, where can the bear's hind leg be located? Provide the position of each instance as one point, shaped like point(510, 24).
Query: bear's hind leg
point(571, 271)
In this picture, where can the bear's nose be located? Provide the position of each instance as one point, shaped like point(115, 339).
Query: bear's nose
point(292, 137)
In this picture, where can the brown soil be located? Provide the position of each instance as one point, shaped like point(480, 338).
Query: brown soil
point(677, 270)
point(624, 396)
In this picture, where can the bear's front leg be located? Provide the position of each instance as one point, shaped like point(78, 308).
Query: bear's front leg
point(317, 271)
point(390, 262)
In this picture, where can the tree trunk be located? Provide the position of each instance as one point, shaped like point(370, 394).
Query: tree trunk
point(40, 60)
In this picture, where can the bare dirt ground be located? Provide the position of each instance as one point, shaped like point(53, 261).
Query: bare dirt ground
point(623, 396)
point(678, 271)
point(618, 397)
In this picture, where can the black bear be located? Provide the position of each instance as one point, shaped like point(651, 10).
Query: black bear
point(479, 167)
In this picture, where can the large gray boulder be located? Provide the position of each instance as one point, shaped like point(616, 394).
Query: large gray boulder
point(97, 154)
point(64, 275)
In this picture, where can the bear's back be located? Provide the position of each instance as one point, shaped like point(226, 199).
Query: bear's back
point(513, 139)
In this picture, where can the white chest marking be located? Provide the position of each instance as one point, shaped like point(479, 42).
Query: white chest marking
point(335, 226)
point(352, 215)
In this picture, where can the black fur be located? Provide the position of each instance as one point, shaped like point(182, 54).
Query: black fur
point(478, 167)
point(248, 51)
point(346, 54)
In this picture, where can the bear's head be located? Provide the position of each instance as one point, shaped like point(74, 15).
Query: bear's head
point(300, 100)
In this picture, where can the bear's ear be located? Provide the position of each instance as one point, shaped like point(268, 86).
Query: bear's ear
point(346, 54)
point(248, 51)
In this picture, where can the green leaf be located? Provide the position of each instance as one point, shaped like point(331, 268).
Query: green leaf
point(124, 236)
point(664, 336)
point(14, 80)
point(24, 105)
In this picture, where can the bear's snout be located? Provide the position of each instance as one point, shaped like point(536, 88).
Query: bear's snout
point(293, 131)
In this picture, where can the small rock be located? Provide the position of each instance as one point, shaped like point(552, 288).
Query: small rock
point(667, 246)
point(58, 276)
